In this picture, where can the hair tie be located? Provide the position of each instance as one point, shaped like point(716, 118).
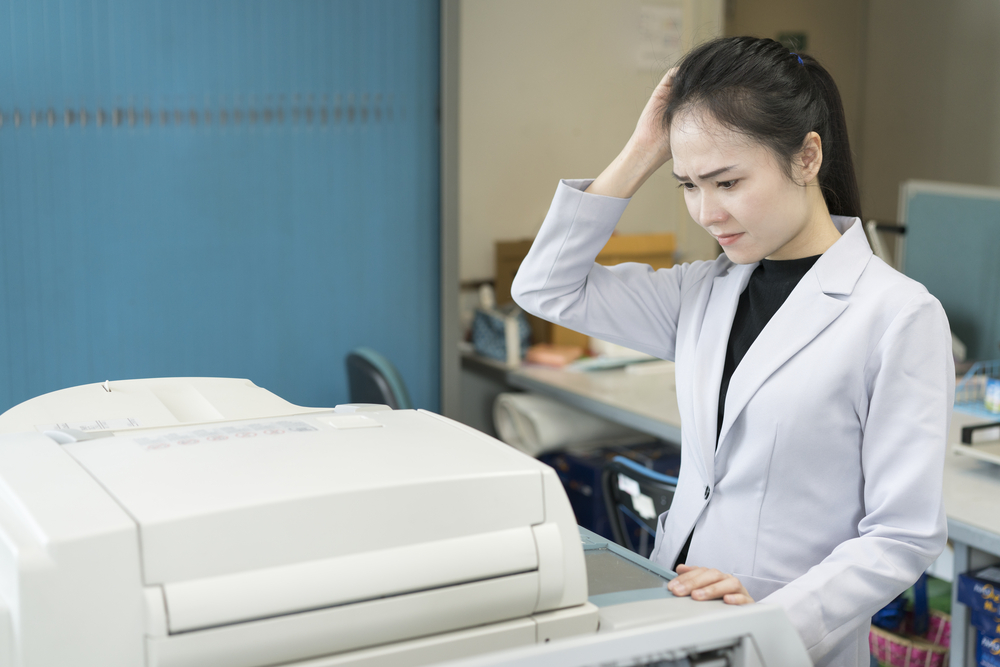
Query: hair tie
point(797, 56)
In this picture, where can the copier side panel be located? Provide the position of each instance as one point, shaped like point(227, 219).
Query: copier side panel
point(71, 561)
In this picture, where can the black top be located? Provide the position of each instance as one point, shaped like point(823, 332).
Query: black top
point(770, 284)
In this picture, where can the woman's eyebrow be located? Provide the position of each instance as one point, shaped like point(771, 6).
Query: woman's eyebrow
point(705, 177)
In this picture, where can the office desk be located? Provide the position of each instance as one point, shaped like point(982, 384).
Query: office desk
point(646, 402)
point(972, 503)
point(649, 403)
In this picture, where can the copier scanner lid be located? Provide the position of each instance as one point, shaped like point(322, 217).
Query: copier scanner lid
point(224, 498)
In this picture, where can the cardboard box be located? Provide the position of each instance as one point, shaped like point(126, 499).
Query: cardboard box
point(980, 591)
point(987, 650)
point(657, 250)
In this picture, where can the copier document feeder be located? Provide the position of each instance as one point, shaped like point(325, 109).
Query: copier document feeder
point(201, 522)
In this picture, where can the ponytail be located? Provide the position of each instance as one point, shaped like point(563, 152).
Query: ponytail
point(836, 176)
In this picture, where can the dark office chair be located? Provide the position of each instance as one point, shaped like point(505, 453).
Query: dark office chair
point(635, 496)
point(371, 378)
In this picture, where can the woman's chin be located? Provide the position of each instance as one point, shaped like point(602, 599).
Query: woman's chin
point(742, 255)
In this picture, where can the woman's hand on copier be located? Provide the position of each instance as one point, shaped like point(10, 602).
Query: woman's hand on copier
point(703, 583)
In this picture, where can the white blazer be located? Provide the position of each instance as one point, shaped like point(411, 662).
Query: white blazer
point(825, 492)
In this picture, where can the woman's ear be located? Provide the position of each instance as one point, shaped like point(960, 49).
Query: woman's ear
point(810, 158)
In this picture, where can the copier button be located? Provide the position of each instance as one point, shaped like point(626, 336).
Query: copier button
point(707, 492)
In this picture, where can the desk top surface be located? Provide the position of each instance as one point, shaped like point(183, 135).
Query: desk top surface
point(644, 401)
point(971, 487)
point(648, 402)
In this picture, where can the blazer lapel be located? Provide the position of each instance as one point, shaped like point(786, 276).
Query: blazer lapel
point(710, 358)
point(809, 309)
point(799, 320)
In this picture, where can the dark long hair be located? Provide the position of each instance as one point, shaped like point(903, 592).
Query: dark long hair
point(759, 88)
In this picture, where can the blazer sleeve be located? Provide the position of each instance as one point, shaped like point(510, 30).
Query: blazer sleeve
point(909, 391)
point(628, 304)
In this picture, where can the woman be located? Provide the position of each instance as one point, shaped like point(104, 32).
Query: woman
point(814, 382)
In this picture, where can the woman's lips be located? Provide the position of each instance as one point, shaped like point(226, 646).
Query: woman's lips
point(728, 239)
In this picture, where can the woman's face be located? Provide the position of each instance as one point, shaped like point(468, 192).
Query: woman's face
point(735, 189)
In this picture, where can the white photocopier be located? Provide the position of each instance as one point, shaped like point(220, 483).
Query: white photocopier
point(205, 522)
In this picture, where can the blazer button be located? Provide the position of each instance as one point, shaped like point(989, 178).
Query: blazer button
point(707, 492)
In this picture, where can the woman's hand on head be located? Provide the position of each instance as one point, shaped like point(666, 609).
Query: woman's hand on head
point(651, 135)
point(647, 150)
point(702, 583)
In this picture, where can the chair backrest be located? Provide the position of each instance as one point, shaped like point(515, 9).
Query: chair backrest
point(371, 378)
point(635, 497)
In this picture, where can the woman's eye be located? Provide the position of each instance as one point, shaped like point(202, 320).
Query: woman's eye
point(725, 185)
point(686, 186)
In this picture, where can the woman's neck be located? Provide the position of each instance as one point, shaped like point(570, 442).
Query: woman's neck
point(817, 235)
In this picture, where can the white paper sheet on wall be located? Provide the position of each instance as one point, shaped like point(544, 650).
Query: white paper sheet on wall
point(661, 35)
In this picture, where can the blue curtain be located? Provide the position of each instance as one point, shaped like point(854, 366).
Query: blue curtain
point(229, 188)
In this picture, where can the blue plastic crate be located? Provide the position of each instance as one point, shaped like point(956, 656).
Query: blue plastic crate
point(580, 474)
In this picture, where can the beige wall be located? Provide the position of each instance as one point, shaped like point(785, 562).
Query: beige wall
point(551, 89)
point(932, 100)
point(836, 33)
point(920, 81)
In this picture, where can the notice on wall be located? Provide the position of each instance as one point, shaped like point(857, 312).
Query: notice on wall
point(661, 37)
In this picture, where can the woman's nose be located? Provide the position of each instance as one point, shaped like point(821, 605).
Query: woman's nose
point(711, 212)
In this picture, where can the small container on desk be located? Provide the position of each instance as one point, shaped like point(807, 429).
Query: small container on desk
point(978, 394)
point(501, 334)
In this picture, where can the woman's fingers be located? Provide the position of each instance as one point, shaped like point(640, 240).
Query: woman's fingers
point(649, 119)
point(668, 79)
point(646, 151)
point(650, 131)
point(708, 584)
point(728, 585)
point(690, 579)
point(737, 598)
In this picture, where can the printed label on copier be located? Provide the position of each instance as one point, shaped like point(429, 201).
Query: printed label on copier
point(221, 433)
point(96, 425)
